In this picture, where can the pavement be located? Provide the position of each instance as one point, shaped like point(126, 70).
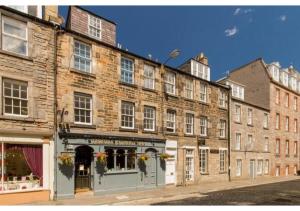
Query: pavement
point(164, 194)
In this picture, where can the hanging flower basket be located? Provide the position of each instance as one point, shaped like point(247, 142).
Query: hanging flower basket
point(143, 157)
point(164, 156)
point(101, 157)
point(66, 159)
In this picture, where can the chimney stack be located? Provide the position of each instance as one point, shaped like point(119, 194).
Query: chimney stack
point(202, 58)
point(51, 14)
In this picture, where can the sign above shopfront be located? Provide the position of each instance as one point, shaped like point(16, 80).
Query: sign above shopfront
point(116, 142)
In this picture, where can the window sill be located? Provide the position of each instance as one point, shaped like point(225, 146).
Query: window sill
point(204, 173)
point(223, 108)
point(266, 128)
point(18, 118)
point(121, 172)
point(150, 132)
point(128, 84)
point(171, 95)
point(75, 125)
point(287, 156)
point(189, 99)
point(295, 156)
point(277, 156)
point(223, 172)
point(149, 90)
point(220, 138)
point(83, 73)
point(171, 134)
point(134, 130)
point(190, 135)
point(250, 125)
point(203, 103)
point(236, 122)
point(16, 55)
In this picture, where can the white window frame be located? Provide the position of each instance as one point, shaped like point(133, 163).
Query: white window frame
point(239, 167)
point(295, 148)
point(200, 70)
point(128, 115)
point(94, 27)
point(148, 118)
point(171, 118)
point(238, 112)
point(203, 154)
point(170, 82)
point(250, 142)
point(189, 89)
point(259, 167)
point(223, 160)
point(286, 100)
point(222, 99)
point(81, 57)
point(266, 144)
point(149, 82)
point(266, 166)
point(19, 83)
point(189, 164)
point(277, 146)
point(250, 116)
point(287, 123)
point(203, 92)
point(222, 128)
point(86, 96)
point(203, 126)
point(287, 147)
point(295, 125)
point(12, 21)
point(295, 103)
point(266, 120)
point(277, 121)
point(189, 122)
point(238, 141)
point(126, 73)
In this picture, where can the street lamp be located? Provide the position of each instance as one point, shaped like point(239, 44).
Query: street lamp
point(173, 54)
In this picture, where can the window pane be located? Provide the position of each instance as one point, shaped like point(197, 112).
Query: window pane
point(131, 159)
point(14, 28)
point(14, 45)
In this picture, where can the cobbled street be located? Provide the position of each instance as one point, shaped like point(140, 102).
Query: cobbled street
point(282, 193)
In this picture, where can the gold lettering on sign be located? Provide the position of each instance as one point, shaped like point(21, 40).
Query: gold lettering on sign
point(117, 142)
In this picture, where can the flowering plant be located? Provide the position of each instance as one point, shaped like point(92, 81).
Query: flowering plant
point(144, 157)
point(164, 156)
point(66, 159)
point(101, 156)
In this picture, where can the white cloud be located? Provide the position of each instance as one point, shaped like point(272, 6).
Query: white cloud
point(282, 18)
point(231, 32)
point(237, 11)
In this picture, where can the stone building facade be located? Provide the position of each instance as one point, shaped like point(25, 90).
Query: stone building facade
point(115, 102)
point(272, 88)
point(250, 150)
point(27, 62)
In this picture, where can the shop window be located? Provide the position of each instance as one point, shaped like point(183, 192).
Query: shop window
point(120, 159)
point(21, 167)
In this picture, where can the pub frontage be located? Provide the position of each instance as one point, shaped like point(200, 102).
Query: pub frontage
point(105, 164)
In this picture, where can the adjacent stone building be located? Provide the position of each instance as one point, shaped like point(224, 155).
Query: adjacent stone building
point(27, 66)
point(250, 153)
point(274, 90)
point(129, 107)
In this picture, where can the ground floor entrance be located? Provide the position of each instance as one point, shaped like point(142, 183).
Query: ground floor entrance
point(83, 170)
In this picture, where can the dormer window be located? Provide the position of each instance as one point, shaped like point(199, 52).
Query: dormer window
point(31, 10)
point(275, 73)
point(285, 78)
point(94, 27)
point(237, 91)
point(200, 70)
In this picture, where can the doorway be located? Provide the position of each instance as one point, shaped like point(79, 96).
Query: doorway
point(151, 165)
point(83, 160)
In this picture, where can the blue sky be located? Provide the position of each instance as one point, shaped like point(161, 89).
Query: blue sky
point(229, 36)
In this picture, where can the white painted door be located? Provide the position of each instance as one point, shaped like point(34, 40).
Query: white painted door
point(170, 171)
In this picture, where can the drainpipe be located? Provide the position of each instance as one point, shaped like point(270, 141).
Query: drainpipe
point(229, 135)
